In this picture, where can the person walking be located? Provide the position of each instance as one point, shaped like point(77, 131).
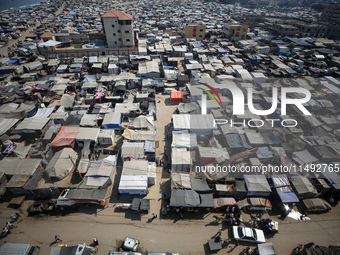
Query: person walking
point(154, 215)
point(57, 238)
point(219, 232)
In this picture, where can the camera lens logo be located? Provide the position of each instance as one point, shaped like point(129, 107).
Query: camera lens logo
point(204, 99)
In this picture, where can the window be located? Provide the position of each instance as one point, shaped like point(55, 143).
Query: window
point(113, 25)
point(194, 30)
point(200, 36)
point(115, 42)
point(114, 34)
point(201, 30)
point(118, 31)
point(128, 40)
point(126, 31)
point(119, 39)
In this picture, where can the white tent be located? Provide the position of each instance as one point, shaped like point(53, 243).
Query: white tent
point(62, 163)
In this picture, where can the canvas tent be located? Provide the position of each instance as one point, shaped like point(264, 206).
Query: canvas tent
point(30, 125)
point(61, 164)
point(184, 198)
point(132, 150)
point(184, 140)
point(7, 124)
point(142, 122)
point(24, 110)
point(67, 101)
point(133, 185)
point(180, 181)
point(87, 134)
point(88, 120)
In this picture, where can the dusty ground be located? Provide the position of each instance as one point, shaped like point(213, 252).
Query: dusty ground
point(186, 235)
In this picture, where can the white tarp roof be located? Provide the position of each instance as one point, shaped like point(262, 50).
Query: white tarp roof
point(6, 124)
point(88, 120)
point(112, 118)
point(29, 125)
point(87, 134)
point(44, 112)
point(142, 122)
point(184, 140)
point(62, 163)
point(135, 167)
point(133, 150)
point(67, 100)
point(19, 166)
point(49, 43)
point(193, 121)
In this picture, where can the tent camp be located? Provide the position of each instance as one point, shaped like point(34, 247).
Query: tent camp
point(67, 101)
point(61, 164)
point(65, 137)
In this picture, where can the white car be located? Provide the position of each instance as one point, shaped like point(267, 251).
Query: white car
point(244, 234)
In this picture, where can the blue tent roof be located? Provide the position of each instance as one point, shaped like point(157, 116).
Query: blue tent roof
point(80, 28)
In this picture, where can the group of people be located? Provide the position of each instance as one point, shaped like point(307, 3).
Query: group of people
point(9, 225)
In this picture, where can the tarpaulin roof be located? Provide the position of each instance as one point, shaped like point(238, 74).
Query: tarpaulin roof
point(207, 200)
point(266, 249)
point(30, 125)
point(49, 43)
point(223, 202)
point(303, 187)
point(133, 150)
point(112, 118)
point(21, 111)
point(88, 120)
point(140, 135)
point(304, 157)
point(18, 166)
point(233, 141)
point(282, 185)
point(67, 101)
point(44, 112)
point(180, 181)
point(65, 136)
point(142, 122)
point(184, 198)
point(184, 140)
point(87, 134)
point(136, 167)
point(188, 107)
point(62, 163)
point(257, 183)
point(199, 185)
point(7, 124)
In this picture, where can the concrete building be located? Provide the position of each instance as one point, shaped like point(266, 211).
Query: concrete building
point(195, 30)
point(235, 31)
point(118, 29)
point(284, 30)
point(331, 17)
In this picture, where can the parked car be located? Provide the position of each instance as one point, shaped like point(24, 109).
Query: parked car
point(316, 205)
point(245, 234)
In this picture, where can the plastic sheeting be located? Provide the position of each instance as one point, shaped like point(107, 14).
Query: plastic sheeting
point(184, 198)
point(65, 136)
point(87, 134)
point(112, 120)
point(257, 185)
point(88, 120)
point(181, 160)
point(43, 112)
point(67, 101)
point(7, 124)
point(132, 150)
point(180, 181)
point(184, 140)
point(30, 125)
point(62, 163)
point(142, 122)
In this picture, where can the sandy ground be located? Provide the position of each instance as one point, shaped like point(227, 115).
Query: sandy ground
point(186, 235)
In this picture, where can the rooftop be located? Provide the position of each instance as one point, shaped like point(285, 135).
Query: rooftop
point(117, 14)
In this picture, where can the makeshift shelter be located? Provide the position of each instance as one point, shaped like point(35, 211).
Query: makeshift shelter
point(106, 137)
point(200, 185)
point(133, 185)
point(140, 135)
point(180, 160)
point(112, 120)
point(184, 198)
point(24, 110)
point(176, 97)
point(87, 134)
point(142, 122)
point(65, 137)
point(7, 124)
point(184, 140)
point(266, 249)
point(88, 120)
point(194, 123)
point(132, 150)
point(302, 187)
point(61, 164)
point(303, 157)
point(223, 203)
point(67, 101)
point(283, 189)
point(180, 181)
point(31, 125)
point(43, 112)
point(210, 154)
point(191, 107)
point(257, 186)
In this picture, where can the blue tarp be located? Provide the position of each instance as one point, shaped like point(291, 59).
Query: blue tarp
point(12, 61)
point(287, 197)
point(234, 141)
point(283, 189)
point(80, 28)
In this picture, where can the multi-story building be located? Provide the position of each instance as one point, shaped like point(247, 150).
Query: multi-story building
point(311, 30)
point(195, 30)
point(285, 30)
point(118, 29)
point(235, 31)
point(331, 17)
